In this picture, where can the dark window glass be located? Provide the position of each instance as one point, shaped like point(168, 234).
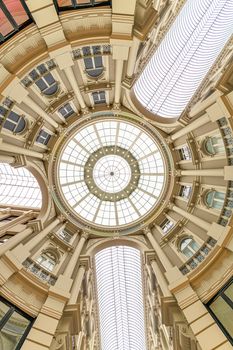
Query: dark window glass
point(9, 125)
point(3, 111)
point(88, 63)
point(86, 51)
point(13, 116)
point(49, 78)
point(221, 308)
point(42, 69)
point(21, 126)
point(66, 110)
point(99, 97)
point(98, 61)
point(14, 326)
point(41, 84)
point(43, 137)
point(33, 74)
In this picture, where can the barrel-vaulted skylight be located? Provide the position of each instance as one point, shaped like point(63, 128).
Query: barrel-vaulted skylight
point(184, 57)
point(18, 187)
point(120, 298)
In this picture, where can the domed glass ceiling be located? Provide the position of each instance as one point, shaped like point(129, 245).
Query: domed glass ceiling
point(111, 173)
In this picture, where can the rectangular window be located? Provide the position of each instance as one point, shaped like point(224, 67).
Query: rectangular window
point(66, 110)
point(99, 97)
point(43, 137)
point(185, 191)
point(185, 153)
point(14, 325)
point(221, 308)
point(166, 225)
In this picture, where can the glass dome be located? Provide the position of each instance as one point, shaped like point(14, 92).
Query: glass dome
point(111, 173)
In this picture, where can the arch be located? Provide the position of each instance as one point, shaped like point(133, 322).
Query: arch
point(120, 298)
point(213, 145)
point(214, 199)
point(18, 187)
point(188, 246)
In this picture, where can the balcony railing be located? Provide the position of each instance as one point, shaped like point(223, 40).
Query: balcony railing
point(198, 257)
point(39, 272)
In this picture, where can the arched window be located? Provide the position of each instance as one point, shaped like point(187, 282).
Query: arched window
point(18, 187)
point(94, 66)
point(214, 199)
point(189, 247)
point(120, 298)
point(214, 145)
point(47, 84)
point(48, 260)
point(11, 120)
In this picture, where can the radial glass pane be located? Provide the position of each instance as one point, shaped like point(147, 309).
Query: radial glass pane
point(120, 298)
point(111, 173)
point(19, 187)
point(184, 56)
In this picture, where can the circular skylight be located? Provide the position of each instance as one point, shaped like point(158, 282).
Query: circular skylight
point(111, 173)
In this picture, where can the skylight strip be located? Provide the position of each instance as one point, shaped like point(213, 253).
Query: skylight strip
point(184, 57)
point(119, 289)
point(19, 187)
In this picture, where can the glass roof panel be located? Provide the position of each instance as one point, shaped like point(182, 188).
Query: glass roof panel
point(18, 187)
point(111, 173)
point(120, 298)
point(14, 15)
point(16, 10)
point(5, 25)
point(184, 57)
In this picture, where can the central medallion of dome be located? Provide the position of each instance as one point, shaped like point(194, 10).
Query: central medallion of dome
point(111, 173)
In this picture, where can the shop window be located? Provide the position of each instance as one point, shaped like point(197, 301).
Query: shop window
point(47, 260)
point(213, 145)
point(14, 326)
point(99, 97)
point(167, 225)
point(43, 137)
point(66, 111)
point(221, 308)
point(185, 153)
point(189, 247)
point(185, 191)
point(214, 199)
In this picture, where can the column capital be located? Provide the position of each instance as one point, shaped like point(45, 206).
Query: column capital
point(20, 161)
point(146, 230)
point(85, 235)
point(61, 218)
point(36, 225)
